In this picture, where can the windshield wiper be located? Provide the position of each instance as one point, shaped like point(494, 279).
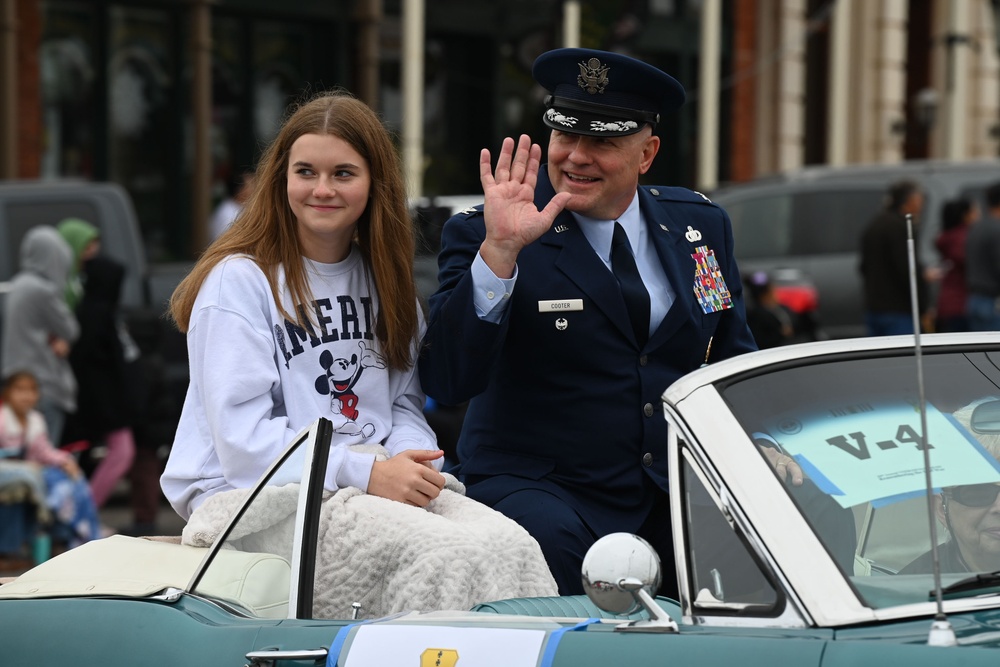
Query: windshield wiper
point(973, 583)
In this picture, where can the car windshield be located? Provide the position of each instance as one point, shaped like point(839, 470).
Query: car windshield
point(854, 427)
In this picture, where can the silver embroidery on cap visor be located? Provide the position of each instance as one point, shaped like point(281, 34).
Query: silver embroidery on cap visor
point(616, 126)
point(562, 119)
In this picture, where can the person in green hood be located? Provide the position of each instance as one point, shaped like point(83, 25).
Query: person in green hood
point(85, 240)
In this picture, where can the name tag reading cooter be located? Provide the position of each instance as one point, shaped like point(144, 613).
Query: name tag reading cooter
point(561, 306)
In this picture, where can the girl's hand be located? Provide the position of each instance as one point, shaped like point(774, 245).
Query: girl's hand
point(407, 477)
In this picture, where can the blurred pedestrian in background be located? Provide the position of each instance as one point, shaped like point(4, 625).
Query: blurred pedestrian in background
point(103, 361)
point(153, 429)
point(23, 436)
point(957, 216)
point(769, 321)
point(84, 240)
point(885, 268)
point(238, 188)
point(982, 266)
point(39, 327)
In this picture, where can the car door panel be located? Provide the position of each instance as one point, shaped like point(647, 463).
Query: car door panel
point(149, 632)
point(694, 645)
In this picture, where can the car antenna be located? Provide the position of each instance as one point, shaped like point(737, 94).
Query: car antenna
point(941, 633)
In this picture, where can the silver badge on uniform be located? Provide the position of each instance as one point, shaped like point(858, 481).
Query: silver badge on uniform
point(561, 324)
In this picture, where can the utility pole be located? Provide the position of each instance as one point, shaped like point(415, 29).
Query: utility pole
point(369, 18)
point(708, 95)
point(957, 43)
point(413, 96)
point(571, 24)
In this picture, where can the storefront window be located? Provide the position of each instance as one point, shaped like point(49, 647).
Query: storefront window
point(230, 96)
point(142, 126)
point(280, 74)
point(117, 75)
point(68, 73)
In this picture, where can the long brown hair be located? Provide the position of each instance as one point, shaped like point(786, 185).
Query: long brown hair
point(266, 229)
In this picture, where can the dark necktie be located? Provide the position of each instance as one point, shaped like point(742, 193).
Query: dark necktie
point(634, 292)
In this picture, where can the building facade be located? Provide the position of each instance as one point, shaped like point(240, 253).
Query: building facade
point(172, 98)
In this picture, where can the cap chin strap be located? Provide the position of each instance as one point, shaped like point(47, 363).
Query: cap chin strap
point(650, 117)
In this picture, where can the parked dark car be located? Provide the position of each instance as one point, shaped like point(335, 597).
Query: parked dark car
point(809, 222)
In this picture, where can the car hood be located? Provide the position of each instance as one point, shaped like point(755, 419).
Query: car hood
point(979, 628)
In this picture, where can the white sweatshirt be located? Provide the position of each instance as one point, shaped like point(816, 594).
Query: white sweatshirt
point(257, 380)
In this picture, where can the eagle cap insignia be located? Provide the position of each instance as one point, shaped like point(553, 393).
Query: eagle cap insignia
point(593, 76)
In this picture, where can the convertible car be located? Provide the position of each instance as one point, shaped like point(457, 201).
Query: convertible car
point(834, 504)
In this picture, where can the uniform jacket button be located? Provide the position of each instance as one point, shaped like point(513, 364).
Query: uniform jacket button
point(647, 459)
point(647, 409)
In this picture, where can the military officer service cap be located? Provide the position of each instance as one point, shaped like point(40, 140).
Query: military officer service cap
point(599, 93)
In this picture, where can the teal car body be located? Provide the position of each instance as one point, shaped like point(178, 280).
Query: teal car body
point(826, 573)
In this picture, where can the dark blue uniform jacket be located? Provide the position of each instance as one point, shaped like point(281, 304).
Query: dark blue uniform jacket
point(573, 407)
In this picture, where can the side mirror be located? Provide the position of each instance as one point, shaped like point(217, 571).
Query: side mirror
point(621, 573)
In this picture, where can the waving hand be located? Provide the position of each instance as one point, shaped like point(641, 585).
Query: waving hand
point(512, 220)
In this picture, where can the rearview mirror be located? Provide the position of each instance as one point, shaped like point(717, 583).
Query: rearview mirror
point(986, 417)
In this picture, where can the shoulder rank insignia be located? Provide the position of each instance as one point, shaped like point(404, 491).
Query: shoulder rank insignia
point(701, 195)
point(468, 210)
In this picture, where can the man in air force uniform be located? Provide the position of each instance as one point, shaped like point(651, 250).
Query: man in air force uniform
point(569, 302)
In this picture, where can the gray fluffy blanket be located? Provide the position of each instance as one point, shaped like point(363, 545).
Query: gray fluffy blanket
point(386, 555)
